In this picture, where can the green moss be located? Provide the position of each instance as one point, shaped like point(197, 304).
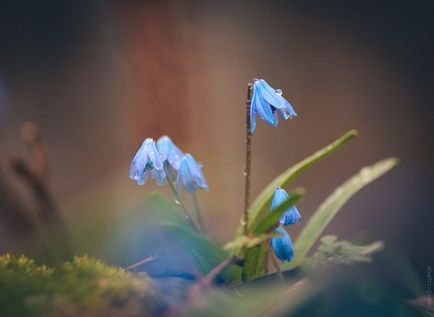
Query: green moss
point(83, 286)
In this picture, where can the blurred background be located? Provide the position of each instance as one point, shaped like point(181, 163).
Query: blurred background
point(98, 77)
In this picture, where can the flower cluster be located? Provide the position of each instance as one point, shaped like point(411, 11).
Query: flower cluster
point(265, 103)
point(282, 245)
point(162, 160)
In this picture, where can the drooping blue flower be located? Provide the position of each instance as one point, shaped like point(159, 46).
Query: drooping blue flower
point(190, 174)
point(282, 246)
point(170, 153)
point(265, 101)
point(291, 215)
point(147, 162)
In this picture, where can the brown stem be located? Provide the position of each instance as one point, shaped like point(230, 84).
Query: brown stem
point(207, 281)
point(274, 260)
point(247, 167)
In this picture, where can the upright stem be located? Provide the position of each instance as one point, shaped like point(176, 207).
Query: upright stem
point(245, 221)
point(198, 212)
point(180, 201)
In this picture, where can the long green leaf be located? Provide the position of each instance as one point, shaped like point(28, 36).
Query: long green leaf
point(259, 207)
point(330, 207)
point(204, 253)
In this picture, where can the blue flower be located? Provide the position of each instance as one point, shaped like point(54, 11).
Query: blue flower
point(282, 246)
point(147, 162)
point(190, 174)
point(291, 215)
point(265, 101)
point(170, 153)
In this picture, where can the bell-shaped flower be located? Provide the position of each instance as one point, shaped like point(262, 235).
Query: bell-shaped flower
point(291, 215)
point(282, 246)
point(147, 162)
point(265, 102)
point(170, 153)
point(190, 174)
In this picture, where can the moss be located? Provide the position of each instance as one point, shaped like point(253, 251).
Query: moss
point(82, 286)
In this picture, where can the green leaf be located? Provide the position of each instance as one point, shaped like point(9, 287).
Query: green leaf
point(333, 252)
point(330, 207)
point(259, 207)
point(272, 218)
point(250, 241)
point(205, 254)
point(255, 262)
point(165, 212)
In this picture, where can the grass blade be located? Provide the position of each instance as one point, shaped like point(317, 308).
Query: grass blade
point(259, 207)
point(331, 206)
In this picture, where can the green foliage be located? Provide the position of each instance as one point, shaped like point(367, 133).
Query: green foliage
point(255, 259)
point(331, 206)
point(260, 206)
point(83, 285)
point(255, 262)
point(333, 252)
point(250, 241)
point(260, 218)
point(204, 253)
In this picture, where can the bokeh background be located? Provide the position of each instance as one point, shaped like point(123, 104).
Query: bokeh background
point(97, 77)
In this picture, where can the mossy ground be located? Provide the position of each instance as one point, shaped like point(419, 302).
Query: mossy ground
point(84, 286)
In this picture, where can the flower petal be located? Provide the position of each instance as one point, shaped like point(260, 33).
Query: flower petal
point(196, 172)
point(159, 176)
point(282, 246)
point(262, 107)
point(270, 95)
point(151, 150)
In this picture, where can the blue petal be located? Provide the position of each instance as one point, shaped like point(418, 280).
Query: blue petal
point(291, 215)
point(138, 165)
point(163, 145)
point(252, 117)
point(185, 176)
point(288, 111)
point(154, 156)
point(141, 180)
point(282, 246)
point(270, 95)
point(159, 176)
point(190, 174)
point(169, 152)
point(262, 107)
point(196, 172)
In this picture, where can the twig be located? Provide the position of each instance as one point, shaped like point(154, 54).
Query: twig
point(207, 281)
point(147, 260)
point(274, 260)
point(247, 167)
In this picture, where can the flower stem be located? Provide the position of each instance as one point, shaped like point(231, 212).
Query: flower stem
point(274, 260)
point(245, 221)
point(179, 200)
point(198, 212)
